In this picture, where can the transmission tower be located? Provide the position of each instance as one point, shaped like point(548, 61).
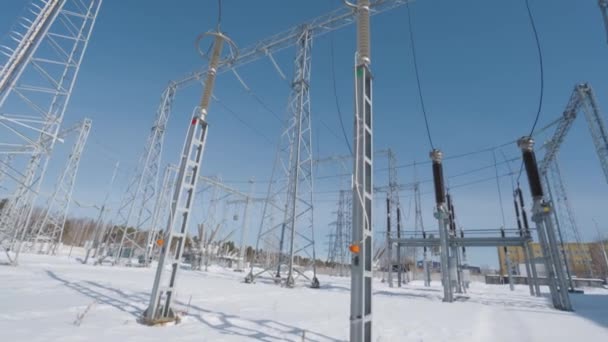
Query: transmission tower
point(291, 188)
point(36, 82)
point(52, 225)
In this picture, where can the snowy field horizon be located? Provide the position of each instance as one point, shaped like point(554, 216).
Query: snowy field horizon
point(56, 298)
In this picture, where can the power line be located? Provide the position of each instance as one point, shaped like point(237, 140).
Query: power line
point(542, 77)
point(413, 48)
point(236, 116)
point(333, 77)
point(540, 63)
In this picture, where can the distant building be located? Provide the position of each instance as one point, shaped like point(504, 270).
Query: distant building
point(578, 256)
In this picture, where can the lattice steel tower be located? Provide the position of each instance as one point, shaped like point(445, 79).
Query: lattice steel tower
point(53, 222)
point(291, 187)
point(37, 76)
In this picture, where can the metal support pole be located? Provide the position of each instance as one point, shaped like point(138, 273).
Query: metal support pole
point(99, 226)
point(528, 250)
point(241, 263)
point(399, 263)
point(507, 261)
point(362, 235)
point(567, 260)
point(442, 216)
point(425, 265)
point(602, 242)
point(389, 245)
point(160, 308)
point(454, 260)
point(541, 216)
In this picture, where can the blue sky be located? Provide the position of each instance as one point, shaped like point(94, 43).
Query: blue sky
point(479, 71)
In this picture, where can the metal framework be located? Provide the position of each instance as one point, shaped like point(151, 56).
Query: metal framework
point(160, 307)
point(136, 208)
point(541, 215)
point(290, 192)
point(582, 99)
point(338, 255)
point(52, 224)
point(36, 83)
point(565, 220)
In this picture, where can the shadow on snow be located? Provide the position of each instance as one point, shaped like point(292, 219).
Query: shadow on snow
point(134, 303)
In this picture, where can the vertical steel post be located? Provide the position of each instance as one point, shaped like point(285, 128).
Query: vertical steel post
point(160, 307)
point(442, 216)
point(361, 265)
point(241, 263)
point(541, 216)
point(389, 244)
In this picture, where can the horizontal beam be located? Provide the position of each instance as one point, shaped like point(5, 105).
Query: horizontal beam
point(463, 242)
point(331, 21)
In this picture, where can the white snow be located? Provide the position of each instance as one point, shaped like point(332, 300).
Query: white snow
point(41, 299)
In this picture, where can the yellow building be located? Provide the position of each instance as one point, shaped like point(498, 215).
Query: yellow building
point(580, 258)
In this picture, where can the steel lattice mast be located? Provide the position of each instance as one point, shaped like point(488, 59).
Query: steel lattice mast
point(582, 99)
point(52, 224)
point(291, 187)
point(37, 82)
point(137, 209)
point(565, 220)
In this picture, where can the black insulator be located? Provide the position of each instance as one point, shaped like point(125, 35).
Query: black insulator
point(438, 180)
point(533, 175)
point(388, 215)
point(464, 249)
point(516, 208)
point(521, 197)
point(398, 222)
point(502, 233)
point(424, 237)
point(525, 218)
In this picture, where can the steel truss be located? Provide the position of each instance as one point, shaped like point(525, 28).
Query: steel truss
point(582, 99)
point(50, 229)
point(291, 188)
point(36, 82)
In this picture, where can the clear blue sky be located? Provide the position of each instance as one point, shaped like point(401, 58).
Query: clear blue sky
point(479, 73)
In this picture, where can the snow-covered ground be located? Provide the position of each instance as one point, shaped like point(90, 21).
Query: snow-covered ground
point(41, 299)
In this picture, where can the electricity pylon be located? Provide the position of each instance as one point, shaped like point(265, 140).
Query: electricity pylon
point(291, 188)
point(36, 82)
point(53, 222)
